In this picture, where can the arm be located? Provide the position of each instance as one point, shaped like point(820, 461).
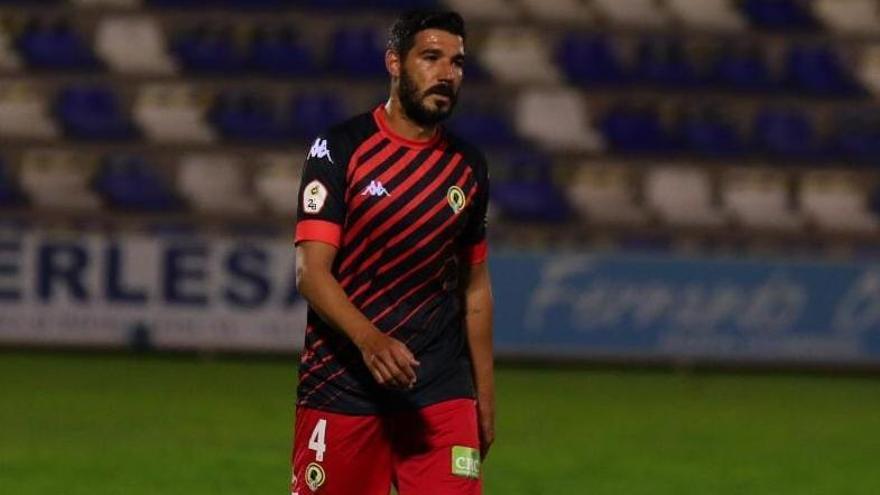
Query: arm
point(478, 324)
point(388, 359)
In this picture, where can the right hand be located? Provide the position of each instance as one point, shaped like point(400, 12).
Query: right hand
point(389, 360)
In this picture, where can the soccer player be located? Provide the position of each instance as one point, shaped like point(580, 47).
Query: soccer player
point(396, 378)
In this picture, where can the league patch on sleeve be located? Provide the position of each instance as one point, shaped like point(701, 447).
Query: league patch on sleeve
point(314, 196)
point(465, 462)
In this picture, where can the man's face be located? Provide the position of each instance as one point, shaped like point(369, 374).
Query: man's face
point(430, 76)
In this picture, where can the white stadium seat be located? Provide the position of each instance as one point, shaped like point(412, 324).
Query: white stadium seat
point(133, 44)
point(709, 15)
point(556, 118)
point(567, 11)
point(277, 182)
point(485, 10)
point(24, 113)
point(633, 13)
point(173, 113)
point(759, 199)
point(836, 201)
point(215, 183)
point(849, 16)
point(605, 194)
point(518, 55)
point(58, 180)
point(869, 68)
point(682, 196)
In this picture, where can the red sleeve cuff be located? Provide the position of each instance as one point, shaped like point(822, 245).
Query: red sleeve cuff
point(478, 253)
point(318, 230)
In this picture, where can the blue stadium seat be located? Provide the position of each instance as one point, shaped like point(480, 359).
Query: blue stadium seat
point(312, 114)
point(707, 132)
point(358, 53)
point(484, 126)
point(246, 117)
point(742, 69)
point(279, 53)
point(57, 47)
point(129, 182)
point(856, 136)
point(590, 60)
point(210, 50)
point(779, 14)
point(93, 112)
point(785, 133)
point(820, 71)
point(663, 62)
point(10, 195)
point(525, 191)
point(635, 130)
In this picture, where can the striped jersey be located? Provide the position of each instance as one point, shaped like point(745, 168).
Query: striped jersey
point(407, 218)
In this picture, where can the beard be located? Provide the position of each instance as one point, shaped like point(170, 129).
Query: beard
point(413, 102)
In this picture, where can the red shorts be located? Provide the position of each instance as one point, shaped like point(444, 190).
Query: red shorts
point(430, 451)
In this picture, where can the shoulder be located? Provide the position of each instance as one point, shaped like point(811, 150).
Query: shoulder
point(349, 134)
point(470, 153)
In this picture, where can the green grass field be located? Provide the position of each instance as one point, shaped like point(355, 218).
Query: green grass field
point(101, 424)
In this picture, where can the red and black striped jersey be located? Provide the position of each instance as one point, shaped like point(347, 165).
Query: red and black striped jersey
point(406, 217)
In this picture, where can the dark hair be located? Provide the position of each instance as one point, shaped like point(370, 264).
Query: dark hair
point(401, 36)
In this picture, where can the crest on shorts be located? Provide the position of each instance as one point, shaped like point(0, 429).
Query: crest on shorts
point(315, 476)
point(456, 199)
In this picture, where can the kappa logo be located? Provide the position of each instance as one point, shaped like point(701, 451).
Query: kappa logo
point(320, 150)
point(375, 189)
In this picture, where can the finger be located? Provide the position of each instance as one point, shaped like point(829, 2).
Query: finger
point(396, 376)
point(380, 371)
point(406, 367)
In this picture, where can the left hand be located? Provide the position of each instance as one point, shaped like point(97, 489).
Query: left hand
point(486, 419)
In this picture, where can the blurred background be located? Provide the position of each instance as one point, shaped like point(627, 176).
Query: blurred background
point(677, 185)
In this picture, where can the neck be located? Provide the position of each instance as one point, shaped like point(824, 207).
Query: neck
point(402, 125)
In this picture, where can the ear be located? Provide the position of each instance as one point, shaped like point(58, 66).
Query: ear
point(392, 63)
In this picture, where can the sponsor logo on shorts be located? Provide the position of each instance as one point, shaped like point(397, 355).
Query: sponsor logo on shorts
point(465, 462)
point(315, 476)
point(456, 199)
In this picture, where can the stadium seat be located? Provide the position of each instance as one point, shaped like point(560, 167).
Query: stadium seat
point(518, 55)
point(856, 136)
point(277, 181)
point(633, 13)
point(556, 119)
point(662, 61)
point(629, 129)
point(248, 117)
point(357, 52)
point(484, 125)
point(682, 196)
point(708, 132)
point(172, 113)
point(133, 44)
point(742, 68)
point(836, 201)
point(209, 50)
point(779, 14)
point(129, 182)
point(759, 199)
point(57, 46)
point(818, 70)
point(854, 17)
point(313, 113)
point(214, 183)
point(869, 69)
point(9, 193)
point(24, 113)
point(485, 10)
point(566, 11)
point(590, 60)
point(93, 113)
point(785, 133)
point(58, 180)
point(708, 15)
point(278, 52)
point(606, 194)
point(524, 191)
point(9, 59)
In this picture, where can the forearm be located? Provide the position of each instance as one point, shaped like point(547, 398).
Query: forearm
point(326, 296)
point(479, 334)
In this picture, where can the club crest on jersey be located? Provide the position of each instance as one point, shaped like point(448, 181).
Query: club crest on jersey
point(315, 476)
point(375, 189)
point(456, 199)
point(319, 150)
point(314, 196)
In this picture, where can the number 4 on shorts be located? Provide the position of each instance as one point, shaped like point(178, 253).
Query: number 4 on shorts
point(316, 441)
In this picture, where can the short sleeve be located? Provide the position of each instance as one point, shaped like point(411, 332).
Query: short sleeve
point(321, 210)
point(475, 247)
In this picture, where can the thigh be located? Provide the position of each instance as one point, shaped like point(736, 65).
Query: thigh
point(338, 454)
point(437, 450)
